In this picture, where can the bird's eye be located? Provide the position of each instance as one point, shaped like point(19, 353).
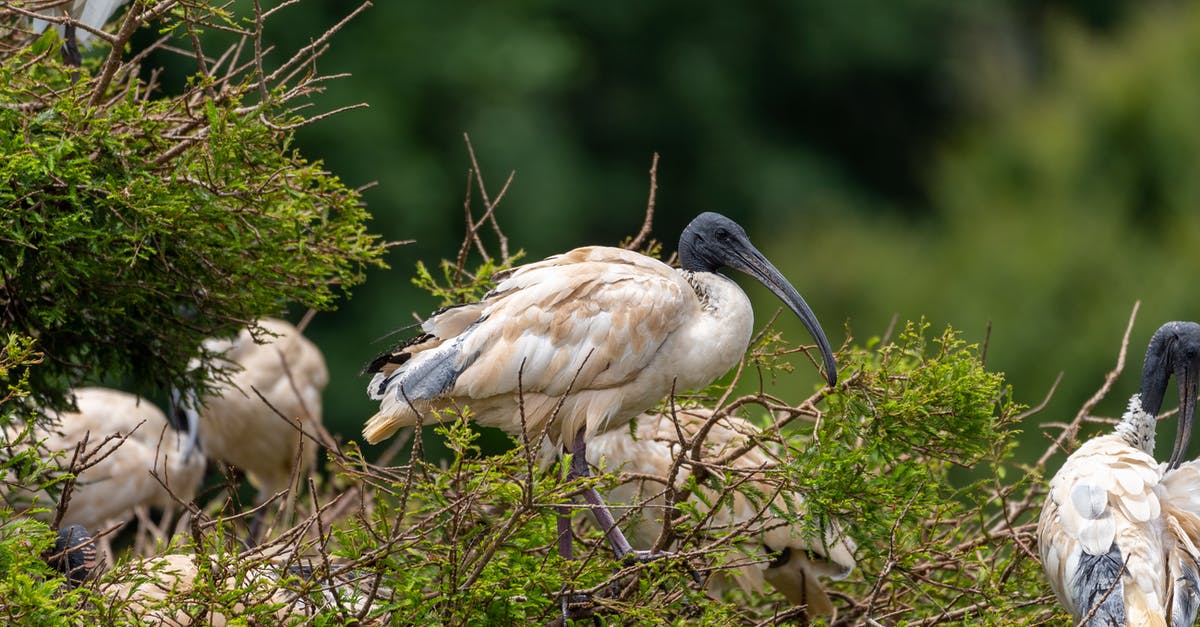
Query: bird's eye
point(722, 234)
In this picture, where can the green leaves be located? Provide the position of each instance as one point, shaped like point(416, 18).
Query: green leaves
point(136, 228)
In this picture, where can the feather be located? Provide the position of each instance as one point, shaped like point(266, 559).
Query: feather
point(605, 330)
point(779, 553)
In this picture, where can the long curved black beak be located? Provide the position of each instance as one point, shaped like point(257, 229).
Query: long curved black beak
point(752, 262)
point(1186, 377)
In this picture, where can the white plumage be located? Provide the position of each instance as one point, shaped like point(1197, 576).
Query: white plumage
point(237, 427)
point(150, 590)
point(1119, 531)
point(569, 347)
point(108, 492)
point(612, 326)
point(778, 552)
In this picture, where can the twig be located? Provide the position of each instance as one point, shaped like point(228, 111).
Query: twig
point(640, 239)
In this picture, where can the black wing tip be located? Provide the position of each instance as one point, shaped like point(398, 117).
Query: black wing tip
point(397, 355)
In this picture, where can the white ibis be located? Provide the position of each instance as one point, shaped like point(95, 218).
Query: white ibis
point(236, 426)
point(1119, 532)
point(780, 552)
point(152, 590)
point(109, 491)
point(579, 343)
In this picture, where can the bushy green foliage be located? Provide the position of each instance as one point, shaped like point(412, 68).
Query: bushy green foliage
point(138, 223)
point(475, 539)
point(32, 593)
point(935, 544)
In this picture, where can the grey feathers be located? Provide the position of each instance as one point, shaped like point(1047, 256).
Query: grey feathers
point(1097, 584)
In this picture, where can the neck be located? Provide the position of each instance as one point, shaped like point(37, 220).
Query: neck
point(1137, 426)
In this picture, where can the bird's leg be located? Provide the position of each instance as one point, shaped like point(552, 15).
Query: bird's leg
point(255, 529)
point(604, 517)
point(70, 50)
point(564, 532)
point(574, 605)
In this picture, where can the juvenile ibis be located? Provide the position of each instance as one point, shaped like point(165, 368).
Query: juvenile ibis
point(273, 441)
point(1119, 532)
point(109, 491)
point(579, 343)
point(778, 550)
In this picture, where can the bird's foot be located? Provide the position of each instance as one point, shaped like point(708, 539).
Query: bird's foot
point(645, 557)
point(576, 606)
point(642, 557)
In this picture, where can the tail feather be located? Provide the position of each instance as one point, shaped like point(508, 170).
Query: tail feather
point(381, 426)
point(1096, 588)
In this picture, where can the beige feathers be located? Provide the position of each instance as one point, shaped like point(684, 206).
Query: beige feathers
point(240, 428)
point(606, 331)
point(1113, 498)
point(782, 556)
point(108, 492)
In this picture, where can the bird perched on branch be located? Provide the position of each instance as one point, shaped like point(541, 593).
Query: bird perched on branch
point(151, 590)
point(134, 458)
point(778, 550)
point(579, 343)
point(1119, 532)
point(273, 437)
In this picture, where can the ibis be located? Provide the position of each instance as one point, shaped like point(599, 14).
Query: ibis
point(162, 589)
point(266, 417)
point(1119, 532)
point(152, 466)
point(778, 550)
point(579, 343)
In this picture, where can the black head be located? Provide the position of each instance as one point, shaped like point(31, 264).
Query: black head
point(1174, 350)
point(73, 555)
point(713, 241)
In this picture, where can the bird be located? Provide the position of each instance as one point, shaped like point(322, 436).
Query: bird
point(233, 425)
point(1119, 531)
point(73, 555)
point(109, 491)
point(92, 13)
point(779, 551)
point(295, 590)
point(579, 343)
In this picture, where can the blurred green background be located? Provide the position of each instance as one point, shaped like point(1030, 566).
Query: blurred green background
point(1032, 165)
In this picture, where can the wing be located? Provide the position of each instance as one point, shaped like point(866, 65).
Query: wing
point(589, 319)
point(1180, 494)
point(288, 369)
point(1100, 520)
point(597, 313)
point(94, 13)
